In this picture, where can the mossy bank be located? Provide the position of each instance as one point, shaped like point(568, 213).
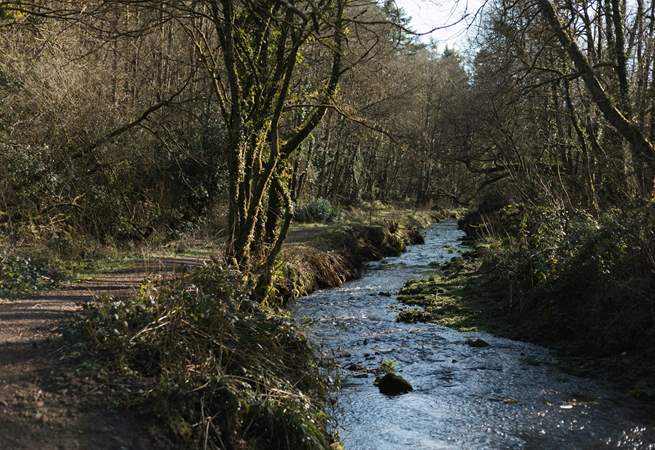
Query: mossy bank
point(338, 254)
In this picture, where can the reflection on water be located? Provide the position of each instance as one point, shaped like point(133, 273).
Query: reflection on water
point(508, 395)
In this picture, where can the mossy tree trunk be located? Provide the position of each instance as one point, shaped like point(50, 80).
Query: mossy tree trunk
point(262, 48)
point(256, 56)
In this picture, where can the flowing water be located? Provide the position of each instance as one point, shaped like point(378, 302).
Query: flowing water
point(509, 395)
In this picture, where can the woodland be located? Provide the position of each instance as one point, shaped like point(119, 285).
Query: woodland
point(231, 130)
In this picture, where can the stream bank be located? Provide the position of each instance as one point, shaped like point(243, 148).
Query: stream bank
point(338, 254)
point(587, 295)
point(123, 366)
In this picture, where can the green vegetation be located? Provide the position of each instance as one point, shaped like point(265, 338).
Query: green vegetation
point(453, 299)
point(589, 279)
point(20, 275)
point(199, 355)
point(565, 278)
point(388, 366)
point(318, 210)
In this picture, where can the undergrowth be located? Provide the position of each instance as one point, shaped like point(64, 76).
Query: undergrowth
point(21, 275)
point(318, 210)
point(214, 367)
point(590, 278)
point(584, 283)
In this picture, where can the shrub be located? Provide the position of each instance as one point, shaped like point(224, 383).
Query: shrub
point(21, 275)
point(575, 276)
point(318, 210)
point(484, 219)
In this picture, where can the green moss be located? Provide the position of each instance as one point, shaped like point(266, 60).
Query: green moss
point(454, 297)
point(412, 315)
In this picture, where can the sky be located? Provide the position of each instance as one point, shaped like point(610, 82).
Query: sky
point(429, 14)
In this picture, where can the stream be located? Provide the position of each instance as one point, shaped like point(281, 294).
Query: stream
point(508, 395)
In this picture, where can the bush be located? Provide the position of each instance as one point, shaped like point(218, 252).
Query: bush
point(20, 275)
point(211, 364)
point(578, 276)
point(318, 210)
point(484, 219)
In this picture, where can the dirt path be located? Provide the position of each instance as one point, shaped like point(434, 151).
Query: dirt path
point(34, 414)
